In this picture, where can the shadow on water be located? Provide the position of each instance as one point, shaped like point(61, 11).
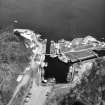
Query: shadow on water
point(56, 69)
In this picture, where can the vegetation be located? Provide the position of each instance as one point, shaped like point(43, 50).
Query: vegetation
point(91, 90)
point(14, 57)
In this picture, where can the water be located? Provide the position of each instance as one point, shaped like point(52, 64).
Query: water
point(56, 19)
point(56, 69)
point(79, 103)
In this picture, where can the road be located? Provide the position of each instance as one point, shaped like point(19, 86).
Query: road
point(24, 81)
point(38, 94)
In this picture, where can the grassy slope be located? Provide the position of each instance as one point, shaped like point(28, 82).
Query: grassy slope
point(14, 57)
